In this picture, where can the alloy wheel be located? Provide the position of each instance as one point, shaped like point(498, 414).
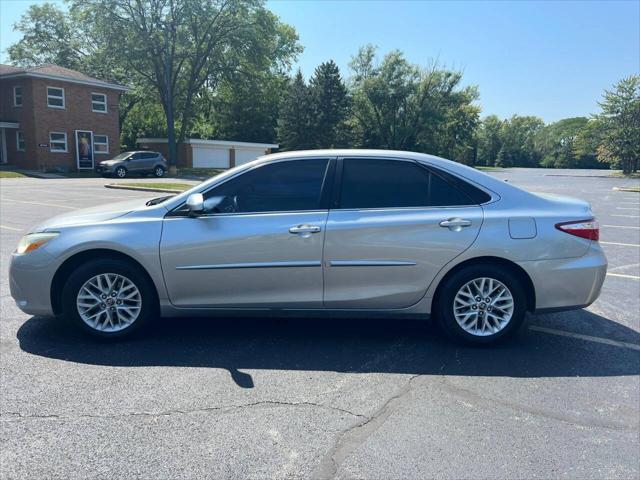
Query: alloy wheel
point(109, 302)
point(159, 172)
point(483, 306)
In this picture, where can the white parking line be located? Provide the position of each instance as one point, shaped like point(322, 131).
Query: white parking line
point(622, 275)
point(621, 226)
point(627, 208)
point(627, 216)
point(10, 228)
point(37, 203)
point(621, 244)
point(588, 338)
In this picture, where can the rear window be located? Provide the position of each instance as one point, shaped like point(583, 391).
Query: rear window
point(374, 183)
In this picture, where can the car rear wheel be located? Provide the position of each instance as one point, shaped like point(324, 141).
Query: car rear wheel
point(108, 298)
point(481, 304)
point(158, 172)
point(121, 172)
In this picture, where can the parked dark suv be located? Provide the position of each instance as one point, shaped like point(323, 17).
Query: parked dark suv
point(139, 162)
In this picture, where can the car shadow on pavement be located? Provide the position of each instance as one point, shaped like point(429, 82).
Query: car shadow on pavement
point(340, 345)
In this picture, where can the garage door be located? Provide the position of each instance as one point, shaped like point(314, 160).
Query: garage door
point(246, 155)
point(207, 157)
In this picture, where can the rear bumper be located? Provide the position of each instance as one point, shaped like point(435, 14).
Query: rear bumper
point(564, 284)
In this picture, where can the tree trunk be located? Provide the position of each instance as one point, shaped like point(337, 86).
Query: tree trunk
point(171, 141)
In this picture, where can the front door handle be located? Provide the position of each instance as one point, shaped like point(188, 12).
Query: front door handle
point(455, 224)
point(304, 230)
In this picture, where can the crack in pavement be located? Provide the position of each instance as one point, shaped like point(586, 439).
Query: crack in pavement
point(357, 434)
point(17, 416)
point(483, 402)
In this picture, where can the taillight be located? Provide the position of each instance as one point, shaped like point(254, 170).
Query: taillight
point(589, 229)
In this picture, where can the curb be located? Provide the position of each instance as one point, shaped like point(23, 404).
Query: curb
point(625, 189)
point(142, 189)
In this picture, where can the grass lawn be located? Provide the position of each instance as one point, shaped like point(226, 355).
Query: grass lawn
point(84, 174)
point(10, 174)
point(622, 175)
point(202, 173)
point(488, 168)
point(634, 188)
point(160, 185)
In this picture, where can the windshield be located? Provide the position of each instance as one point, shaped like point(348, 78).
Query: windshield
point(121, 156)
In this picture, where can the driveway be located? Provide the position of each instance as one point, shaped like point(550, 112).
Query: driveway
point(300, 398)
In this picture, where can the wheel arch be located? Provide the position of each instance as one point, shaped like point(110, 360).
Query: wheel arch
point(513, 267)
point(74, 261)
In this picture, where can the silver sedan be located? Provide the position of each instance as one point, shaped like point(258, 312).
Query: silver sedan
point(341, 232)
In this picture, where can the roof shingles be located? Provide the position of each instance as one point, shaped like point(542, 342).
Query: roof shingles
point(52, 70)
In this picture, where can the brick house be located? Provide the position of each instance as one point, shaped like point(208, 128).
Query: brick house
point(53, 118)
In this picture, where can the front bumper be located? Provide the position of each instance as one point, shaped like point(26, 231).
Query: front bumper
point(102, 169)
point(30, 283)
point(567, 283)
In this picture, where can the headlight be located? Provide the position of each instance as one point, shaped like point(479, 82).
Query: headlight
point(33, 241)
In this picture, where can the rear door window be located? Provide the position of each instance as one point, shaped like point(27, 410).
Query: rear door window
point(379, 183)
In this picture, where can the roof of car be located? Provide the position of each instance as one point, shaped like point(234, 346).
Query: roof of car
point(368, 153)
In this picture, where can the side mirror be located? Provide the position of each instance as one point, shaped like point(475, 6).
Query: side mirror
point(195, 204)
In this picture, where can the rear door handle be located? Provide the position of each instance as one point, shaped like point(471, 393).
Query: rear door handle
point(456, 224)
point(304, 230)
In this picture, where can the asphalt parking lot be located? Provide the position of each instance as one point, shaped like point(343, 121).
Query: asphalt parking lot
point(302, 398)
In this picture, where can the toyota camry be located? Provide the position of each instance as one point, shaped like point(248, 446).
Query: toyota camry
point(340, 232)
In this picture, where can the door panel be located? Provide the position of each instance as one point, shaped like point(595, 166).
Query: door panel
point(135, 162)
point(387, 258)
point(246, 260)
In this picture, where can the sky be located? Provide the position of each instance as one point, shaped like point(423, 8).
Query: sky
point(552, 59)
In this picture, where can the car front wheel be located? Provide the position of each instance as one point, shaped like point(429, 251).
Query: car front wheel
point(481, 304)
point(108, 298)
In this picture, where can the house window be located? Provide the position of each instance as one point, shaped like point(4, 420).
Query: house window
point(55, 97)
point(17, 96)
point(99, 102)
point(20, 145)
point(57, 142)
point(101, 144)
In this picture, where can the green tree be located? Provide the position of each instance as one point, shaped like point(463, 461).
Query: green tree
point(179, 47)
point(328, 95)
point(519, 142)
point(48, 36)
point(397, 105)
point(558, 145)
point(489, 140)
point(246, 107)
point(620, 122)
point(294, 123)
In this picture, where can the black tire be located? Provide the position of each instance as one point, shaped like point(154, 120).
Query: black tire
point(121, 267)
point(121, 172)
point(158, 172)
point(449, 289)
